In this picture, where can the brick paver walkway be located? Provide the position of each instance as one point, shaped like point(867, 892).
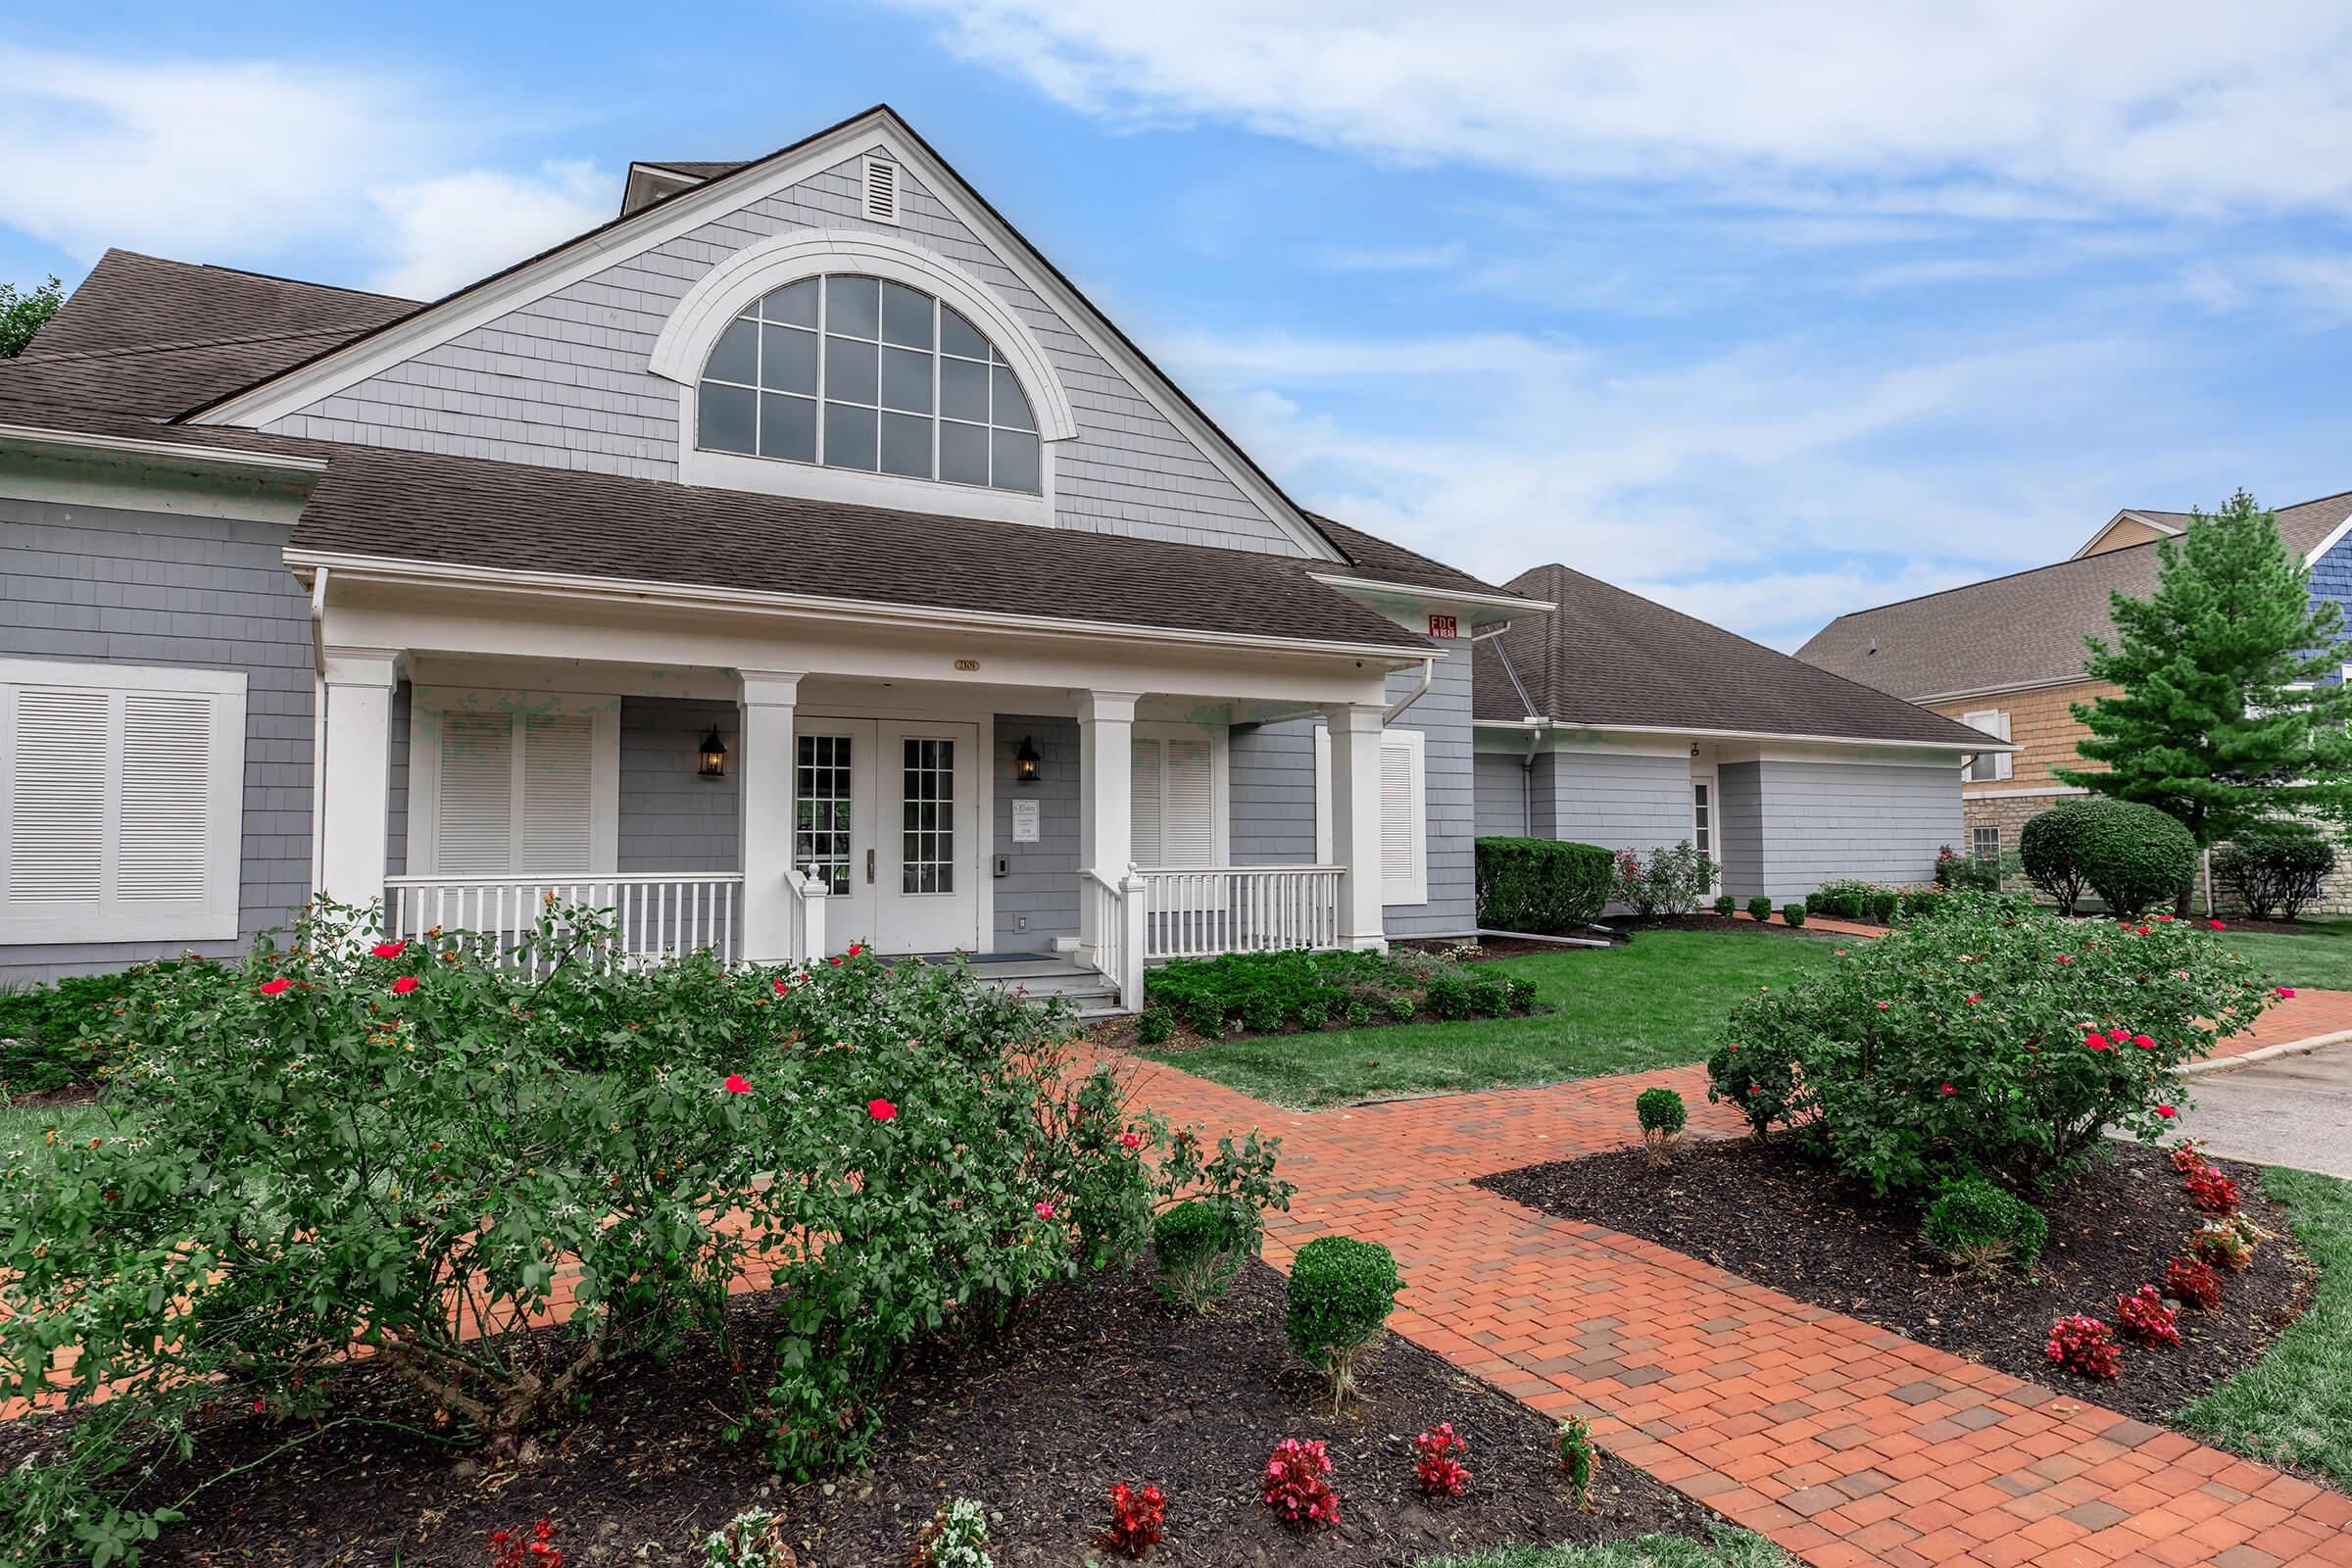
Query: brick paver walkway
point(1845, 1443)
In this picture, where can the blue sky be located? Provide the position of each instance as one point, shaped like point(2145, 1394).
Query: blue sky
point(1767, 312)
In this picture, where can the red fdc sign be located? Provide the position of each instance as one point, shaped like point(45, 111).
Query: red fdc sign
point(1443, 626)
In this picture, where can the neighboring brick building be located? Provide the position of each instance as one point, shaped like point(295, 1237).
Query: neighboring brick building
point(2006, 655)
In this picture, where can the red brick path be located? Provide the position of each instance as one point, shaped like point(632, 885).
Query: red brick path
point(1845, 1443)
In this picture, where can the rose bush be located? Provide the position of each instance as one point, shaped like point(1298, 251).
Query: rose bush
point(416, 1147)
point(1985, 1038)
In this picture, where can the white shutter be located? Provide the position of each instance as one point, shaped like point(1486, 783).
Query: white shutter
point(1403, 835)
point(166, 797)
point(57, 826)
point(1144, 808)
point(1986, 767)
point(558, 788)
point(473, 831)
point(122, 801)
point(1189, 836)
point(2002, 759)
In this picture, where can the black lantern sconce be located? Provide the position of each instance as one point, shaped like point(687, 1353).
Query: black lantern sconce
point(713, 761)
point(1024, 762)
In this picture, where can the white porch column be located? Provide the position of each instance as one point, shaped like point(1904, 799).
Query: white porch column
point(1105, 799)
point(354, 785)
point(766, 760)
point(1356, 821)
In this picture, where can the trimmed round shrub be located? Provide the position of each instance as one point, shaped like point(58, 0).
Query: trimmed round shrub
point(1882, 905)
point(2134, 857)
point(1980, 1227)
point(1793, 913)
point(1661, 1110)
point(2276, 871)
point(1725, 904)
point(1489, 997)
point(2050, 848)
point(1198, 1253)
point(1401, 1008)
point(1760, 909)
point(1340, 1292)
point(1448, 997)
point(1156, 1025)
point(1541, 886)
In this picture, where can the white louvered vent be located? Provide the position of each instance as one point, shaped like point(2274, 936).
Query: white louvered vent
point(1190, 838)
point(166, 797)
point(881, 190)
point(1396, 815)
point(475, 812)
point(1145, 807)
point(56, 831)
point(558, 788)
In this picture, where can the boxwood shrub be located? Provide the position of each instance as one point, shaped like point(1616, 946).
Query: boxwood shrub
point(1980, 1227)
point(2133, 857)
point(1340, 1292)
point(1541, 886)
point(1983, 1038)
point(1794, 913)
point(52, 1036)
point(1269, 993)
point(2274, 871)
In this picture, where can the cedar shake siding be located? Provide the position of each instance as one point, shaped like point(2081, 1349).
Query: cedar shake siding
point(2041, 726)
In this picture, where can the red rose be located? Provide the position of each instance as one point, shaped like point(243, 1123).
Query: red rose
point(856, 948)
point(2217, 925)
point(782, 985)
point(881, 1109)
point(834, 960)
point(737, 1084)
point(277, 987)
point(2284, 993)
point(388, 950)
point(404, 985)
point(1949, 1090)
point(2166, 1111)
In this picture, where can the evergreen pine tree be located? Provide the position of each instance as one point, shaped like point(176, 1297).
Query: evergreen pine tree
point(2230, 713)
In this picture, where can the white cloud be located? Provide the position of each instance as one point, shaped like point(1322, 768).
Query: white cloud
point(448, 231)
point(249, 160)
point(1982, 107)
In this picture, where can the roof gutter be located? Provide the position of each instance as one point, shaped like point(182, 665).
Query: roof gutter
point(271, 463)
point(1986, 743)
point(633, 591)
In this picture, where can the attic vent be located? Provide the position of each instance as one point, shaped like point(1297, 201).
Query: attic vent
point(881, 190)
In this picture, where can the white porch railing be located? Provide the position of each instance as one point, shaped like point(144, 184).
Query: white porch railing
point(804, 914)
point(656, 913)
point(1111, 918)
point(1239, 908)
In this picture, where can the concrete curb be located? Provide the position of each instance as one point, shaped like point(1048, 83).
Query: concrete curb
point(2290, 1047)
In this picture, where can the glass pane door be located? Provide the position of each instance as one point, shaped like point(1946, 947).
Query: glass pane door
point(821, 838)
point(927, 816)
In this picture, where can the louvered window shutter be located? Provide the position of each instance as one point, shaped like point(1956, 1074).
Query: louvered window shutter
point(1145, 809)
point(122, 796)
point(474, 830)
point(1396, 815)
point(1190, 837)
point(558, 786)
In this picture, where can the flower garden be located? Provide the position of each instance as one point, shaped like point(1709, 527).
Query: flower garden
point(389, 1251)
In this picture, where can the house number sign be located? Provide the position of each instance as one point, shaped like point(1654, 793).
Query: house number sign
point(1443, 626)
point(967, 665)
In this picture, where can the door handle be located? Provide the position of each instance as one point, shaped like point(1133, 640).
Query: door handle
point(869, 867)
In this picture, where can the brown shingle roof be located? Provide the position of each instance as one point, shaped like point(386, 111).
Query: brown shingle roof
point(512, 517)
point(2021, 629)
point(695, 169)
point(1607, 657)
point(152, 336)
point(1379, 561)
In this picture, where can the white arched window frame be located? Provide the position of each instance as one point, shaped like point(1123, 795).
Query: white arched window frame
point(694, 328)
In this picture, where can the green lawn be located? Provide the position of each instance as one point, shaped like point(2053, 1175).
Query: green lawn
point(2321, 960)
point(1728, 1549)
point(2296, 1404)
point(1653, 1003)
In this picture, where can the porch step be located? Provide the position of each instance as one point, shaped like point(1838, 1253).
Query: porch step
point(1052, 975)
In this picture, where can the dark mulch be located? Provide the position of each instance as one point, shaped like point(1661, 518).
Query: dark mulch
point(74, 1094)
point(1102, 1385)
point(1766, 1214)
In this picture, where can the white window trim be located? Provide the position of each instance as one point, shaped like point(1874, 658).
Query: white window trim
point(1220, 783)
point(693, 329)
point(426, 705)
point(1414, 889)
point(1992, 721)
point(216, 919)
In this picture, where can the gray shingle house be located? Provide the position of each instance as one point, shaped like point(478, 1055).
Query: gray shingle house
point(798, 559)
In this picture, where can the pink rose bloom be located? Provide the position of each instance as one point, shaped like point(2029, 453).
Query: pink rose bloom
point(737, 1084)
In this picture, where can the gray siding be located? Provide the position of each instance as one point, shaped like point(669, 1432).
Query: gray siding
point(396, 799)
point(1502, 786)
point(1618, 800)
point(1740, 804)
point(1041, 886)
point(671, 818)
point(1272, 774)
point(1442, 716)
point(1876, 820)
point(562, 381)
point(108, 585)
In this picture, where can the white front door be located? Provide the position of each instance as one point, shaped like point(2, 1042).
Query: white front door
point(1705, 826)
point(886, 811)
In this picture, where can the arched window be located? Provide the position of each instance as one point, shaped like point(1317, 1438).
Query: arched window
point(862, 374)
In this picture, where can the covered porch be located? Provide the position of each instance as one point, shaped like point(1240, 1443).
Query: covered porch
point(776, 786)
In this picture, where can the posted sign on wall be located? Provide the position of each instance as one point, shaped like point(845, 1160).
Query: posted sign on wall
point(1024, 821)
point(1443, 626)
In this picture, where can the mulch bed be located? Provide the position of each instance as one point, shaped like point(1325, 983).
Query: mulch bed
point(1102, 1385)
point(1766, 1214)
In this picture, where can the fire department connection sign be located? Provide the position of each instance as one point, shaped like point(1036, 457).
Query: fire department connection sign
point(1443, 626)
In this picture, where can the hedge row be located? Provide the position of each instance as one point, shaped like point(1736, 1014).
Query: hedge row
point(1541, 886)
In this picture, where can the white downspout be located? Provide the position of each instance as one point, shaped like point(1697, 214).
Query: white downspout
point(318, 717)
point(1429, 674)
